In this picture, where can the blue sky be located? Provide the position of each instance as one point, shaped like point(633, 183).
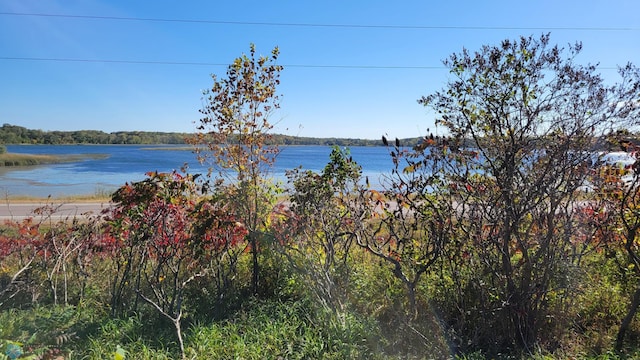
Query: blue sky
point(352, 81)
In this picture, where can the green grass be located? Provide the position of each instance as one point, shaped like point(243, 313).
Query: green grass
point(279, 330)
point(261, 330)
point(17, 160)
point(27, 159)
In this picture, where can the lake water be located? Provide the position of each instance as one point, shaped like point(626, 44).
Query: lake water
point(127, 163)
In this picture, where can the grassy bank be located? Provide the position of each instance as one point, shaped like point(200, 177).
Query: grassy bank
point(27, 159)
point(16, 160)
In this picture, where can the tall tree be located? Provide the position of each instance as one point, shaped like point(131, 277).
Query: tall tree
point(523, 116)
point(234, 132)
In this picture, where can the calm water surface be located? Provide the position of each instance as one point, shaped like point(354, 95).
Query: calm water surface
point(127, 163)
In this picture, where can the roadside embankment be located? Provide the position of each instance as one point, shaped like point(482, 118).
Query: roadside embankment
point(59, 211)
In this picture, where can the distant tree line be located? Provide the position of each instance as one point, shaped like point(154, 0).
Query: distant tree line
point(296, 140)
point(13, 134)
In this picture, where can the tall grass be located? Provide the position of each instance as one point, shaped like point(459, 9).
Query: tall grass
point(14, 159)
point(8, 159)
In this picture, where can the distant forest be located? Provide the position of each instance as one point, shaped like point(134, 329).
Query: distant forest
point(13, 134)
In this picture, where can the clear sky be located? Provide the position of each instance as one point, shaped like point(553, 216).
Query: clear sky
point(359, 80)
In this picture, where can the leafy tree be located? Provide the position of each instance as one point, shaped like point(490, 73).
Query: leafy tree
point(234, 133)
point(527, 116)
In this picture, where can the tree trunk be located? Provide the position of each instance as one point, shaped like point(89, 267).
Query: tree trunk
point(256, 266)
point(624, 326)
point(413, 307)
